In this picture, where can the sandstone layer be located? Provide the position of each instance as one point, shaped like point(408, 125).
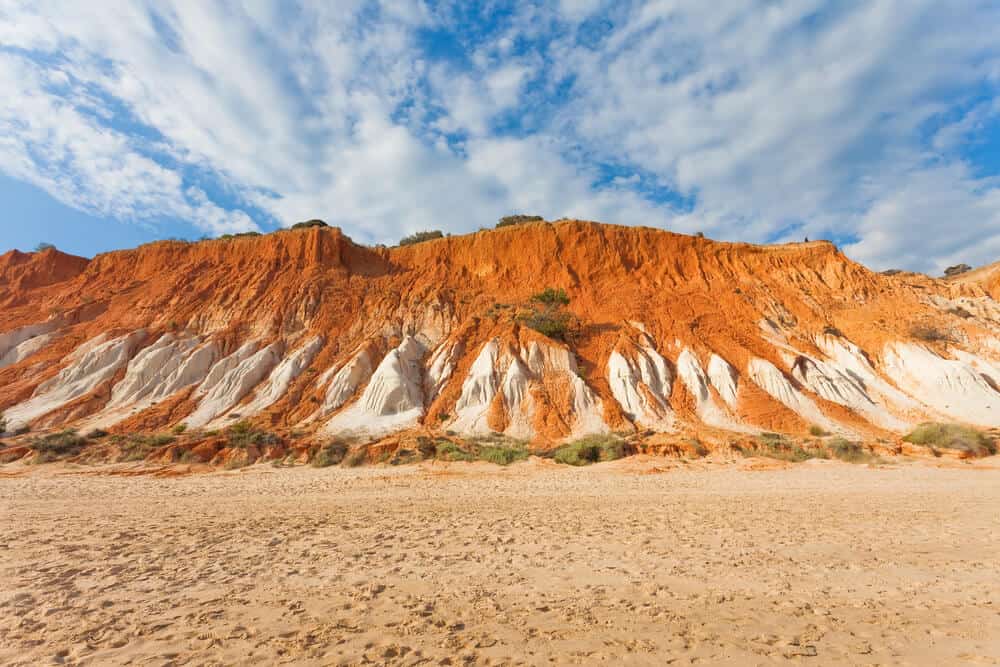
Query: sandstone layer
point(667, 334)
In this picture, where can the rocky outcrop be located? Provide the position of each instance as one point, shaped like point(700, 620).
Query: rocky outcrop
point(664, 333)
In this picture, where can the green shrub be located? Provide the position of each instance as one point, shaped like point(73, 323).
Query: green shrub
point(499, 449)
point(309, 223)
point(590, 449)
point(420, 237)
point(330, 454)
point(952, 436)
point(54, 445)
point(509, 220)
point(42, 247)
point(180, 428)
point(244, 434)
point(446, 450)
point(356, 457)
point(852, 452)
point(136, 447)
point(552, 297)
point(929, 333)
point(776, 446)
point(818, 431)
point(554, 325)
point(426, 447)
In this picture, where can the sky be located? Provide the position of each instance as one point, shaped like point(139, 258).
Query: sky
point(875, 124)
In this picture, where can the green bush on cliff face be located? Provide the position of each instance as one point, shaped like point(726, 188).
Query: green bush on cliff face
point(952, 436)
point(548, 317)
point(420, 237)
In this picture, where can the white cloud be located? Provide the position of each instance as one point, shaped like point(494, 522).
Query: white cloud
point(775, 116)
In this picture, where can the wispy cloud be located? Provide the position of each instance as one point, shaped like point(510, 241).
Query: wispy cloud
point(745, 120)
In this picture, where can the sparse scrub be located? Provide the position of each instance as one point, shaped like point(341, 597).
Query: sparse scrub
point(309, 223)
point(179, 429)
point(956, 270)
point(137, 447)
point(330, 454)
point(958, 311)
point(3, 423)
point(446, 450)
point(818, 431)
point(851, 452)
point(244, 434)
point(56, 445)
point(952, 436)
point(355, 457)
point(552, 297)
point(549, 319)
point(420, 237)
point(590, 449)
point(500, 449)
point(929, 333)
point(509, 220)
point(776, 446)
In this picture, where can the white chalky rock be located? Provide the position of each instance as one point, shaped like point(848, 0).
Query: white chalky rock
point(478, 390)
point(724, 378)
point(97, 363)
point(697, 382)
point(11, 340)
point(393, 399)
point(226, 391)
point(346, 380)
point(25, 349)
point(642, 387)
point(838, 386)
point(281, 378)
point(440, 368)
point(950, 386)
point(767, 376)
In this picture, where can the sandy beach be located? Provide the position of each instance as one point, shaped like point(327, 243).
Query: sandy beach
point(641, 561)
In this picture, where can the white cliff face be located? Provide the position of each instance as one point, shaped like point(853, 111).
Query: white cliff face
point(518, 401)
point(556, 362)
point(393, 399)
point(225, 365)
point(281, 378)
point(155, 373)
point(952, 387)
point(828, 381)
point(767, 376)
point(724, 378)
point(149, 369)
point(697, 382)
point(90, 365)
point(226, 391)
point(478, 391)
point(25, 349)
point(855, 363)
point(21, 338)
point(440, 368)
point(346, 381)
point(642, 387)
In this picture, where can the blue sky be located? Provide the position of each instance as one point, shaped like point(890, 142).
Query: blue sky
point(875, 124)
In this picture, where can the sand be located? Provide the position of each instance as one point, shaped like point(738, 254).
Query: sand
point(643, 561)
